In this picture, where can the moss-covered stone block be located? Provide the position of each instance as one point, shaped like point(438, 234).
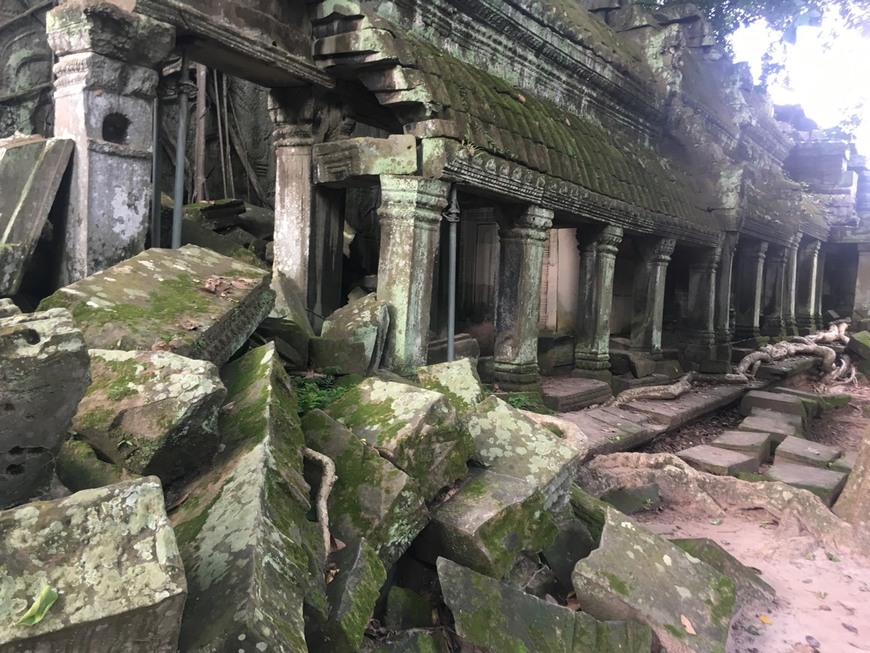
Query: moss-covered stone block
point(498, 617)
point(487, 523)
point(372, 498)
point(365, 323)
point(79, 468)
point(110, 555)
point(415, 429)
point(252, 557)
point(510, 443)
point(637, 575)
point(406, 609)
point(190, 301)
point(411, 641)
point(151, 412)
point(457, 380)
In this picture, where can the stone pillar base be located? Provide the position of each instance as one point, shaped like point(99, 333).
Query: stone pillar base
point(517, 377)
point(774, 328)
point(806, 324)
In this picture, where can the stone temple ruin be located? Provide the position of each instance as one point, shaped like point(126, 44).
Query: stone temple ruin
point(578, 199)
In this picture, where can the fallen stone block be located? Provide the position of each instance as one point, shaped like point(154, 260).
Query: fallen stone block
point(31, 170)
point(406, 609)
point(411, 641)
point(372, 498)
point(637, 575)
point(252, 557)
point(498, 617)
point(365, 322)
point(292, 340)
point(777, 430)
point(751, 442)
point(510, 443)
point(43, 375)
point(457, 380)
point(111, 556)
point(188, 301)
point(774, 401)
point(824, 483)
point(79, 468)
point(151, 412)
point(338, 356)
point(805, 452)
point(723, 462)
point(824, 402)
point(630, 500)
point(555, 353)
point(487, 523)
point(795, 420)
point(854, 503)
point(846, 462)
point(859, 345)
point(415, 429)
point(8, 308)
point(572, 543)
point(566, 394)
point(352, 595)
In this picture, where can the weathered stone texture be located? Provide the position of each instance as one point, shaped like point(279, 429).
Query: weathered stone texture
point(112, 557)
point(43, 376)
point(854, 503)
point(251, 555)
point(153, 413)
point(417, 430)
point(458, 380)
point(188, 301)
point(79, 468)
point(352, 338)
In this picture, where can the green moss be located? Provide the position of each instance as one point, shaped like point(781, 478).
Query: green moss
point(752, 477)
point(617, 584)
point(96, 418)
point(187, 530)
point(722, 604)
point(116, 378)
point(676, 631)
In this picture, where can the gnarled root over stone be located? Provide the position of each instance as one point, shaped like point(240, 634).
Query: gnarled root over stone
point(326, 484)
point(672, 391)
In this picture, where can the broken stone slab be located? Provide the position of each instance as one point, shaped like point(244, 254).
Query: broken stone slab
point(630, 500)
point(79, 468)
point(371, 498)
point(572, 543)
point(498, 617)
point(31, 170)
point(352, 595)
point(608, 430)
point(817, 403)
point(417, 430)
point(338, 357)
point(457, 380)
point(189, 301)
point(151, 412)
point(751, 589)
point(854, 503)
point(805, 452)
point(111, 556)
point(365, 322)
point(778, 430)
point(487, 523)
point(724, 462)
point(45, 370)
point(795, 420)
point(846, 462)
point(859, 345)
point(510, 443)
point(636, 575)
point(291, 340)
point(406, 609)
point(690, 406)
point(751, 442)
point(774, 401)
point(8, 308)
point(824, 483)
point(566, 394)
point(252, 557)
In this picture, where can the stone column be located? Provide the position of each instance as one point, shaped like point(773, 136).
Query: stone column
point(648, 296)
point(105, 84)
point(772, 294)
point(595, 297)
point(807, 271)
point(789, 287)
point(702, 306)
point(749, 276)
point(519, 295)
point(409, 215)
point(724, 276)
point(861, 310)
point(820, 284)
point(292, 113)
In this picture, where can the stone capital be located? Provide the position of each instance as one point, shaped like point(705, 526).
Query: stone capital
point(292, 113)
point(811, 247)
point(89, 70)
point(707, 260)
point(413, 199)
point(531, 224)
point(753, 249)
point(106, 29)
point(658, 251)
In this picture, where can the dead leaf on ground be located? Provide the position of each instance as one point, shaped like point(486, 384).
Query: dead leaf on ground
point(763, 618)
point(687, 625)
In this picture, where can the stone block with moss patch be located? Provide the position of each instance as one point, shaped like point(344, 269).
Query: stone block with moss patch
point(352, 596)
point(498, 617)
point(252, 557)
point(151, 412)
point(79, 468)
point(43, 375)
point(111, 556)
point(364, 322)
point(510, 443)
point(487, 524)
point(415, 429)
point(406, 609)
point(458, 380)
point(371, 498)
point(190, 301)
point(639, 576)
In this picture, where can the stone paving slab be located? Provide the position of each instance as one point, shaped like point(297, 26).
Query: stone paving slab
point(773, 401)
point(805, 452)
point(609, 432)
point(746, 441)
point(690, 406)
point(846, 462)
point(795, 420)
point(777, 429)
point(781, 370)
point(566, 393)
point(823, 401)
point(824, 483)
point(722, 462)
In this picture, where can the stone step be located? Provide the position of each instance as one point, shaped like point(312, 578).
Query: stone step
point(790, 418)
point(692, 405)
point(781, 370)
point(749, 442)
point(824, 483)
point(823, 402)
point(805, 452)
point(846, 462)
point(566, 394)
point(722, 462)
point(777, 429)
point(611, 430)
point(622, 383)
point(773, 401)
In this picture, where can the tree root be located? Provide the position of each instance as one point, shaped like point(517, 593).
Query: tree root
point(326, 484)
point(672, 391)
